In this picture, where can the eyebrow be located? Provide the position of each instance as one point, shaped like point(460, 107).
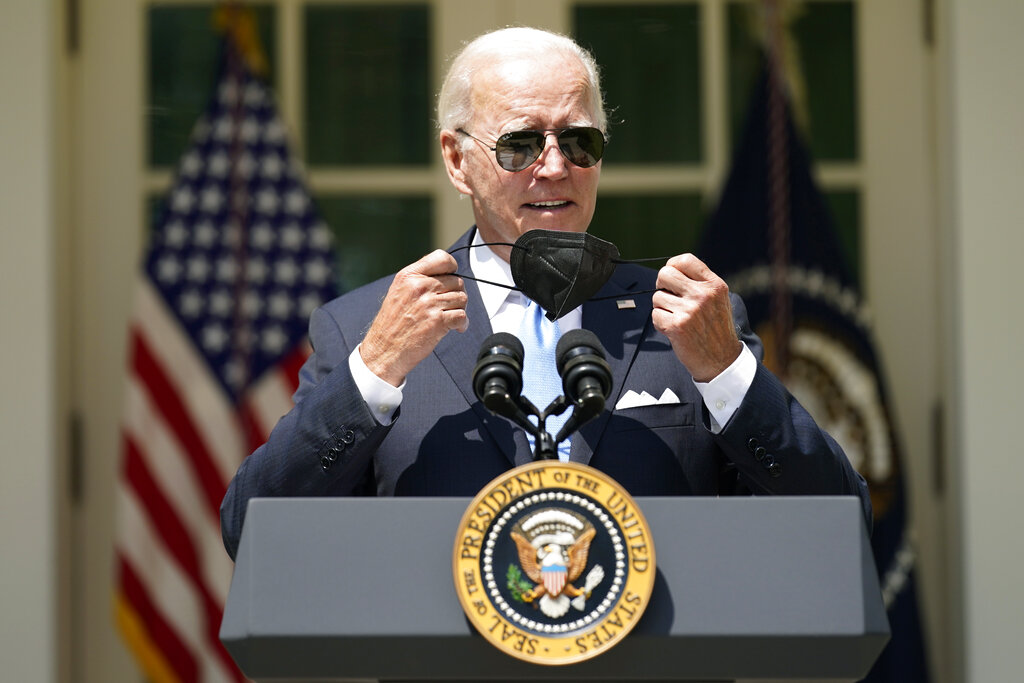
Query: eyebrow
point(574, 124)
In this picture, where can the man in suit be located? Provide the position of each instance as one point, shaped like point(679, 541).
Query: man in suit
point(386, 405)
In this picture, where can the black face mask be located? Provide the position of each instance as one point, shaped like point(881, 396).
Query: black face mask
point(560, 270)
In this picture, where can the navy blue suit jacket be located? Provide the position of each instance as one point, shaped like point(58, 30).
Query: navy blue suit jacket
point(443, 442)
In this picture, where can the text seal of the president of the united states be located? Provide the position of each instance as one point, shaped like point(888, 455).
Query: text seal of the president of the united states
point(553, 562)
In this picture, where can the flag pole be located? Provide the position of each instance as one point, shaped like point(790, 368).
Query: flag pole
point(778, 190)
point(243, 53)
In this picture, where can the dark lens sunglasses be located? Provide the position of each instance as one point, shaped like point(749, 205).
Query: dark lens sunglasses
point(518, 149)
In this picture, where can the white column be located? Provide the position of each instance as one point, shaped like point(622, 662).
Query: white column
point(28, 498)
point(983, 143)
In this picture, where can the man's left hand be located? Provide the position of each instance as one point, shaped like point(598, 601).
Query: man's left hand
point(692, 309)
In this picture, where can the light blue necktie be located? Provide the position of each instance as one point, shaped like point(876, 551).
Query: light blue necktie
point(541, 383)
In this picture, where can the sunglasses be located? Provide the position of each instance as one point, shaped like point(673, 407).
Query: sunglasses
point(517, 150)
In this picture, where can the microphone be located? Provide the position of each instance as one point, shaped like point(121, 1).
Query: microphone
point(586, 378)
point(498, 384)
point(498, 377)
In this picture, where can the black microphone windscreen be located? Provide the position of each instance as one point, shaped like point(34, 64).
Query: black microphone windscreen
point(502, 339)
point(574, 339)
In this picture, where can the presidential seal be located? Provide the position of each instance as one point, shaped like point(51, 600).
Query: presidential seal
point(553, 562)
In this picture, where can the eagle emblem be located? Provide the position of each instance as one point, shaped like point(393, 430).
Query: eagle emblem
point(553, 545)
point(527, 562)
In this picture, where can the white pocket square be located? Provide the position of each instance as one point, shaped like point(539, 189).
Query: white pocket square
point(631, 399)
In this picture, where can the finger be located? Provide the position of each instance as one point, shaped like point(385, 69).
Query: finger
point(451, 301)
point(692, 267)
point(661, 318)
point(449, 283)
point(456, 319)
point(437, 262)
point(665, 300)
point(671, 280)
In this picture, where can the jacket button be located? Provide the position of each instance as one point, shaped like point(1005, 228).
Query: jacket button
point(348, 437)
point(759, 453)
point(752, 444)
point(775, 469)
point(325, 462)
point(332, 453)
point(768, 461)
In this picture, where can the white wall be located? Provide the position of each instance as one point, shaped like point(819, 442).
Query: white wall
point(985, 221)
point(28, 607)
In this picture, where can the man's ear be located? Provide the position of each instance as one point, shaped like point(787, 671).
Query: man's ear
point(454, 160)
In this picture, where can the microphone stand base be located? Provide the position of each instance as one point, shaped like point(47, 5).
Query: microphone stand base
point(544, 447)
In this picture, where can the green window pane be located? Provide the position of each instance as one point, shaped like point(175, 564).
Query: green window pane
point(368, 90)
point(184, 55)
point(825, 40)
point(375, 236)
point(154, 211)
point(845, 208)
point(644, 226)
point(650, 69)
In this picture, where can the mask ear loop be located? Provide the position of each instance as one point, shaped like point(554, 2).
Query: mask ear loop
point(486, 244)
point(640, 260)
point(641, 291)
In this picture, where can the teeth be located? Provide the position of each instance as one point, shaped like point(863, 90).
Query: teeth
point(554, 203)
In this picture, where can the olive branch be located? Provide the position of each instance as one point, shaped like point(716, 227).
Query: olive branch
point(517, 585)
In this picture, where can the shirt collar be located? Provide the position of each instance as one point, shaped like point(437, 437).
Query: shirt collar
point(486, 265)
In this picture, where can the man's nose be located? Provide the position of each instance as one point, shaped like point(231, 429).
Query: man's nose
point(552, 163)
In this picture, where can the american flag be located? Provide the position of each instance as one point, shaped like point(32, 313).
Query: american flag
point(234, 268)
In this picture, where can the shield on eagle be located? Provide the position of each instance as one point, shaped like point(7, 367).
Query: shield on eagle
point(554, 577)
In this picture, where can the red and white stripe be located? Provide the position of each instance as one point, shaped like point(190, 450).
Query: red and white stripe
point(554, 579)
point(182, 441)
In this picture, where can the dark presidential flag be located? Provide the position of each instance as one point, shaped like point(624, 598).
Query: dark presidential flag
point(773, 241)
point(234, 267)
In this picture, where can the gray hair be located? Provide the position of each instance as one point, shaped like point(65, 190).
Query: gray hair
point(454, 102)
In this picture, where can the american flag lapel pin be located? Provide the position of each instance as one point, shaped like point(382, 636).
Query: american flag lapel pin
point(624, 304)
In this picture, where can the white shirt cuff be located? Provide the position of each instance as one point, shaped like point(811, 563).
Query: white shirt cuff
point(724, 394)
point(381, 398)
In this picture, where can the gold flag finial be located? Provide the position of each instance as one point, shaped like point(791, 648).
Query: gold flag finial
point(239, 24)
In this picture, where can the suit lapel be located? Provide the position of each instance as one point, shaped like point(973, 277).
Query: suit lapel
point(457, 354)
point(620, 330)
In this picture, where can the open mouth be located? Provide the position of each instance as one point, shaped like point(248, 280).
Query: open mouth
point(554, 204)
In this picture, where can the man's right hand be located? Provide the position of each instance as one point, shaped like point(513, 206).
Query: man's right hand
point(424, 302)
